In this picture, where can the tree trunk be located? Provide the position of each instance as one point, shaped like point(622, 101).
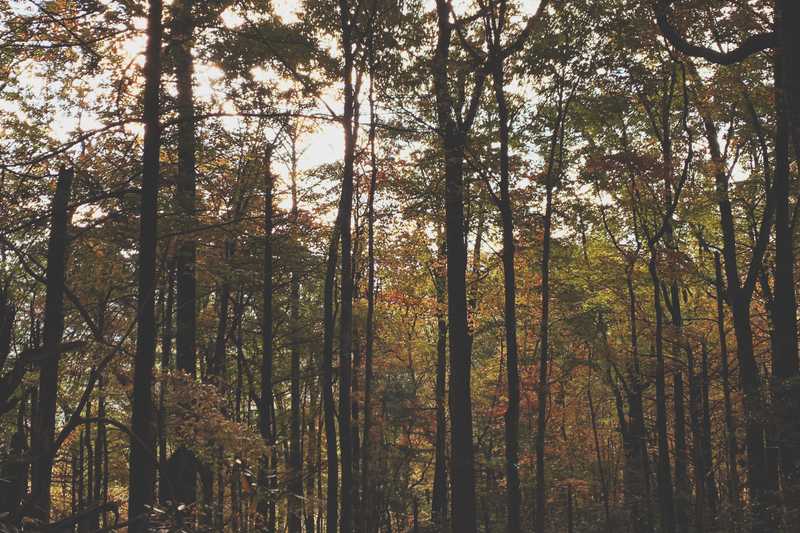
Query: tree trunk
point(682, 495)
point(166, 353)
point(368, 500)
point(332, 457)
point(599, 457)
point(266, 422)
point(43, 430)
point(185, 470)
point(439, 501)
point(707, 445)
point(543, 390)
point(346, 317)
point(513, 497)
point(454, 140)
point(739, 299)
point(142, 461)
point(664, 478)
point(786, 371)
point(295, 475)
point(640, 461)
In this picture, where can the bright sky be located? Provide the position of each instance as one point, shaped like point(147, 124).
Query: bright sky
point(324, 145)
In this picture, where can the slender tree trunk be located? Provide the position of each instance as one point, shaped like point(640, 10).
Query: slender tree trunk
point(332, 457)
point(366, 457)
point(706, 445)
point(599, 457)
point(513, 497)
point(664, 478)
point(102, 437)
point(266, 422)
point(43, 430)
point(295, 488)
point(698, 457)
point(142, 461)
point(439, 501)
point(682, 496)
point(543, 390)
point(739, 298)
point(570, 518)
point(346, 316)
point(166, 355)
point(640, 486)
point(14, 470)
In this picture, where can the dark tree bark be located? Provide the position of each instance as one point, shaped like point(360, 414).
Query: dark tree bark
point(706, 445)
point(599, 458)
point(544, 355)
point(454, 135)
point(166, 356)
point(14, 469)
point(295, 476)
point(786, 367)
point(368, 501)
point(513, 497)
point(682, 494)
point(266, 422)
point(185, 470)
point(439, 497)
point(142, 460)
point(332, 457)
point(552, 175)
point(787, 80)
point(346, 312)
point(640, 471)
point(730, 422)
point(186, 178)
point(664, 477)
point(43, 430)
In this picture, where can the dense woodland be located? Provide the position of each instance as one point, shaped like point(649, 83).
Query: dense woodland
point(399, 266)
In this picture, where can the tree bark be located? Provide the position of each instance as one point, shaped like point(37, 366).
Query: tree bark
point(43, 430)
point(266, 422)
point(711, 495)
point(664, 477)
point(513, 497)
point(142, 462)
point(368, 500)
point(439, 497)
point(346, 311)
point(682, 494)
point(332, 457)
point(786, 370)
point(295, 488)
point(640, 471)
point(454, 139)
point(543, 389)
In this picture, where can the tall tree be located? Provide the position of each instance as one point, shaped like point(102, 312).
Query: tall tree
point(787, 77)
point(347, 26)
point(142, 460)
point(181, 487)
point(455, 118)
point(266, 410)
point(43, 430)
point(295, 502)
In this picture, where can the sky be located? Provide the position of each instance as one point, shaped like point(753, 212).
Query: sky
point(324, 145)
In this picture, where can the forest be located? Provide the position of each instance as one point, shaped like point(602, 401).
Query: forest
point(399, 266)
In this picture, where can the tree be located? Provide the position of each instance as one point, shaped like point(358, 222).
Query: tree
point(142, 461)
